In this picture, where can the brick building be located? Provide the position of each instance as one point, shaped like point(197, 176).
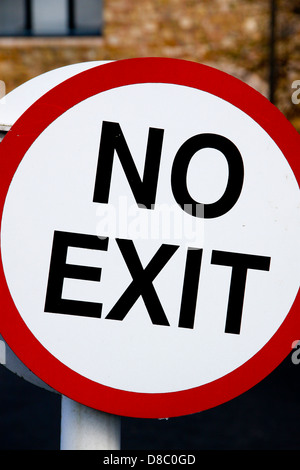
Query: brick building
point(232, 35)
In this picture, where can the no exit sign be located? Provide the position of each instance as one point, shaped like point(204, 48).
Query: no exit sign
point(150, 237)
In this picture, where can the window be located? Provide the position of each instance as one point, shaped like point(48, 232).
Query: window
point(55, 18)
point(12, 17)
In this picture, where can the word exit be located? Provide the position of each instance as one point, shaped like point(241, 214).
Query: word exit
point(142, 280)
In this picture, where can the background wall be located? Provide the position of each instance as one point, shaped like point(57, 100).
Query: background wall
point(232, 35)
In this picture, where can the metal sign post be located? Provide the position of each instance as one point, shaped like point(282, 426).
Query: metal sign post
point(83, 428)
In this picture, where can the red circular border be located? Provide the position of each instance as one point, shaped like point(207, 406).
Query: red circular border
point(13, 148)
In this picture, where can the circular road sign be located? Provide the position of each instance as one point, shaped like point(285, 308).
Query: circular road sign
point(150, 237)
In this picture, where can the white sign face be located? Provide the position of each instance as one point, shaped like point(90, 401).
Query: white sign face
point(150, 239)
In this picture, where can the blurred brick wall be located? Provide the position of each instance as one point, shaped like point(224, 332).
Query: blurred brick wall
point(232, 35)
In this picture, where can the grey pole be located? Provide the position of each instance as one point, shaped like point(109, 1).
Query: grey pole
point(83, 428)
